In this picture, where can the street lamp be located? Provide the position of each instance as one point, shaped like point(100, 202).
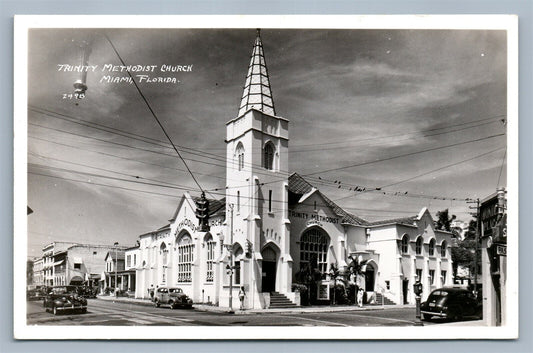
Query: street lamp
point(417, 288)
point(116, 265)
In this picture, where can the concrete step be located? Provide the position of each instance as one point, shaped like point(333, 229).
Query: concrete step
point(278, 300)
point(382, 299)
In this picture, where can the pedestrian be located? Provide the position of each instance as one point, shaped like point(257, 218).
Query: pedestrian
point(242, 294)
point(151, 291)
point(360, 294)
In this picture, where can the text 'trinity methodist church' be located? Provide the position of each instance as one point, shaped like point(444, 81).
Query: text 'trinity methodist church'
point(280, 231)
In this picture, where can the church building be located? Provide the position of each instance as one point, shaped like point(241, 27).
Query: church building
point(274, 228)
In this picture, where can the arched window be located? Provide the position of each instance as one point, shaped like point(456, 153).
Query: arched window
point(405, 244)
point(210, 258)
point(164, 253)
point(240, 156)
point(268, 156)
point(314, 246)
point(443, 249)
point(163, 250)
point(419, 244)
point(432, 247)
point(185, 251)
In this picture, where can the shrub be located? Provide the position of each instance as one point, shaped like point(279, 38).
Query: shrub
point(304, 292)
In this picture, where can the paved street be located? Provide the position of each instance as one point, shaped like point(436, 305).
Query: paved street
point(109, 313)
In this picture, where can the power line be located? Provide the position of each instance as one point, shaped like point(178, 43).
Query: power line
point(400, 134)
point(204, 154)
point(153, 113)
point(404, 139)
point(164, 185)
point(405, 155)
point(441, 168)
point(501, 168)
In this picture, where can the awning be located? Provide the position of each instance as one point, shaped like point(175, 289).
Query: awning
point(58, 262)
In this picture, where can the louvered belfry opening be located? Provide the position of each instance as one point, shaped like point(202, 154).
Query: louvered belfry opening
point(257, 92)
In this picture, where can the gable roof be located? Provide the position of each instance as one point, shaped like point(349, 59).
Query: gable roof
point(403, 220)
point(120, 255)
point(216, 207)
point(298, 185)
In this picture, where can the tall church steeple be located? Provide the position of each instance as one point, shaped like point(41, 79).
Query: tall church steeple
point(257, 93)
point(257, 144)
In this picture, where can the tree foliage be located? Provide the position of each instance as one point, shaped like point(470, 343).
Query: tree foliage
point(444, 220)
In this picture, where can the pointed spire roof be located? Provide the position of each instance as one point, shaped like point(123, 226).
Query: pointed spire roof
point(257, 93)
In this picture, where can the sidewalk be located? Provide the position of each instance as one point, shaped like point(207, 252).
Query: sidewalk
point(300, 309)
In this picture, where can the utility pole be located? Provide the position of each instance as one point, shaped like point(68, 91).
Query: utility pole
point(478, 231)
point(116, 265)
point(230, 248)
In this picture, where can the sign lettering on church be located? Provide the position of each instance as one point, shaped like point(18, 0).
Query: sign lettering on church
point(187, 223)
point(313, 217)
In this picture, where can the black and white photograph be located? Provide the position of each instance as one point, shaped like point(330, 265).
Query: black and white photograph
point(268, 177)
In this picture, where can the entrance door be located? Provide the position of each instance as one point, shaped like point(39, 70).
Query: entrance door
point(405, 290)
point(269, 276)
point(369, 279)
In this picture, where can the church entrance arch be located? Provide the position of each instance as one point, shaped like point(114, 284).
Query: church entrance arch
point(370, 278)
point(268, 281)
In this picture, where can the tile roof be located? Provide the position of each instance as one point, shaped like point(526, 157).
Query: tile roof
point(403, 220)
point(300, 186)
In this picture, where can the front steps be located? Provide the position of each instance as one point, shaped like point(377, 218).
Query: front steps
point(380, 298)
point(278, 301)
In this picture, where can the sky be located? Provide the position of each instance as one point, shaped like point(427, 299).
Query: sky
point(418, 114)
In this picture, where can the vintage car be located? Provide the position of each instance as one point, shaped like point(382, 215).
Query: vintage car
point(450, 303)
point(35, 293)
point(60, 299)
point(171, 296)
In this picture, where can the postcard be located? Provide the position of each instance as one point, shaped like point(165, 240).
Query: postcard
point(266, 177)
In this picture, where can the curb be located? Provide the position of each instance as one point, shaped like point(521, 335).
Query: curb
point(216, 309)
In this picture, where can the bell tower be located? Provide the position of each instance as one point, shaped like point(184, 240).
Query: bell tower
point(257, 187)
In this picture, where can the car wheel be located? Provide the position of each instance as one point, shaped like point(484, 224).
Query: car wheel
point(425, 317)
point(55, 310)
point(157, 304)
point(455, 313)
point(84, 310)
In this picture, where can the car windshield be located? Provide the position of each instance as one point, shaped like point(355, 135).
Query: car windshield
point(175, 290)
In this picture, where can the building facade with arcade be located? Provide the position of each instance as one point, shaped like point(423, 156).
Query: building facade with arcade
point(273, 227)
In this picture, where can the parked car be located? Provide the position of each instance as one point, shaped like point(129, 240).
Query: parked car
point(64, 298)
point(172, 296)
point(450, 303)
point(35, 293)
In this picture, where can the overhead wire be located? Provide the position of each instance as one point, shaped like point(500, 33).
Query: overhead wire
point(153, 113)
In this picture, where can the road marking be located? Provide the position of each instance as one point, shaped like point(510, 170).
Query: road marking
point(130, 313)
point(314, 320)
point(374, 317)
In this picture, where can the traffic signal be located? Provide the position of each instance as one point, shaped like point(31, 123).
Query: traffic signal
point(202, 213)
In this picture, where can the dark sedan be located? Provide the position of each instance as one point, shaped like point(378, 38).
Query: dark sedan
point(450, 303)
point(64, 298)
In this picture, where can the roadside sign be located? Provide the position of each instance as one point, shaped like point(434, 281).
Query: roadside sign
point(501, 250)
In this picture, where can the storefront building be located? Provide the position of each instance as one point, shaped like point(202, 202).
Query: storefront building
point(272, 228)
point(66, 263)
point(493, 210)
